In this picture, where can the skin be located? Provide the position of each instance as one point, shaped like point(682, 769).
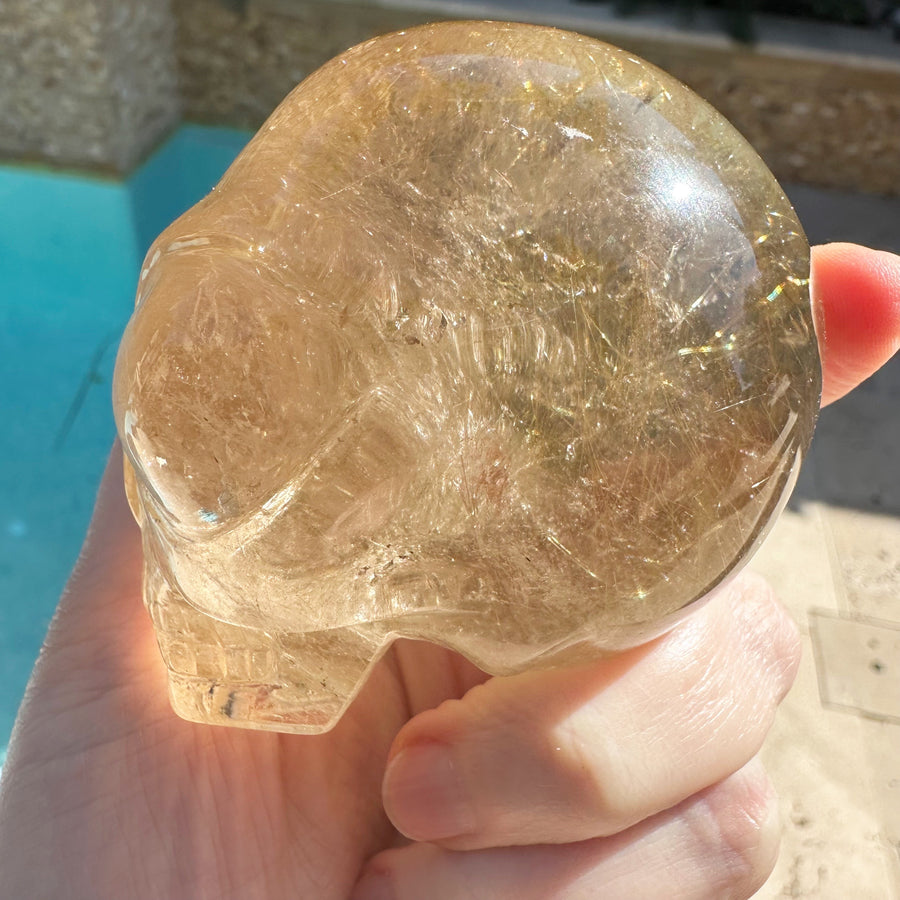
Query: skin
point(629, 777)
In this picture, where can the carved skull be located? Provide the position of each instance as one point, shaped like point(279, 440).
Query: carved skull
point(493, 336)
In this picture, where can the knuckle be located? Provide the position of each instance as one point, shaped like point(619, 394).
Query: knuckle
point(596, 781)
point(569, 765)
point(767, 633)
point(736, 828)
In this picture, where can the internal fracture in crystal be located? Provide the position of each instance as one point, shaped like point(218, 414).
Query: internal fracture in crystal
point(494, 336)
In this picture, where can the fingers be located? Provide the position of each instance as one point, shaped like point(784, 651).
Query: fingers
point(721, 843)
point(857, 293)
point(567, 755)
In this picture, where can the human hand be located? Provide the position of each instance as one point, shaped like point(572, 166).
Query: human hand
point(628, 777)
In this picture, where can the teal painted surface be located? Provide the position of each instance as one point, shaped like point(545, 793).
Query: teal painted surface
point(188, 166)
point(70, 251)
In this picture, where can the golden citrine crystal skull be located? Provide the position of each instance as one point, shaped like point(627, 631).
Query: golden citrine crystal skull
point(494, 336)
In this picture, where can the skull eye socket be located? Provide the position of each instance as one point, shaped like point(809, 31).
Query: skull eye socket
point(228, 388)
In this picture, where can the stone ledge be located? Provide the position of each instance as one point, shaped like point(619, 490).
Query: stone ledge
point(817, 115)
point(86, 84)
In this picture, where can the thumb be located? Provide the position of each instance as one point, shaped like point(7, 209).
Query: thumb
point(857, 293)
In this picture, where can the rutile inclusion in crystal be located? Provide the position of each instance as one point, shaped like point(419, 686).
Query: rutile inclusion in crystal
point(494, 336)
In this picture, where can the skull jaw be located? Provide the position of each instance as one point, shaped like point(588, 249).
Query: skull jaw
point(259, 707)
point(302, 683)
point(225, 674)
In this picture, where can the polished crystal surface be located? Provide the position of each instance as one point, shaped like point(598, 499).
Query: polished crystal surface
point(494, 336)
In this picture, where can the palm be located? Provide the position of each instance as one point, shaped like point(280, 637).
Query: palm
point(182, 810)
point(257, 814)
point(271, 815)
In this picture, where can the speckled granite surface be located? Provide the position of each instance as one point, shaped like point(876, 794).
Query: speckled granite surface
point(97, 84)
point(86, 83)
point(825, 118)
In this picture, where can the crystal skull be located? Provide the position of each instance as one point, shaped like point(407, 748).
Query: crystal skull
point(494, 336)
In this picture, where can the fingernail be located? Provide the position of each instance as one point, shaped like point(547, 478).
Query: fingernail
point(373, 886)
point(424, 794)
